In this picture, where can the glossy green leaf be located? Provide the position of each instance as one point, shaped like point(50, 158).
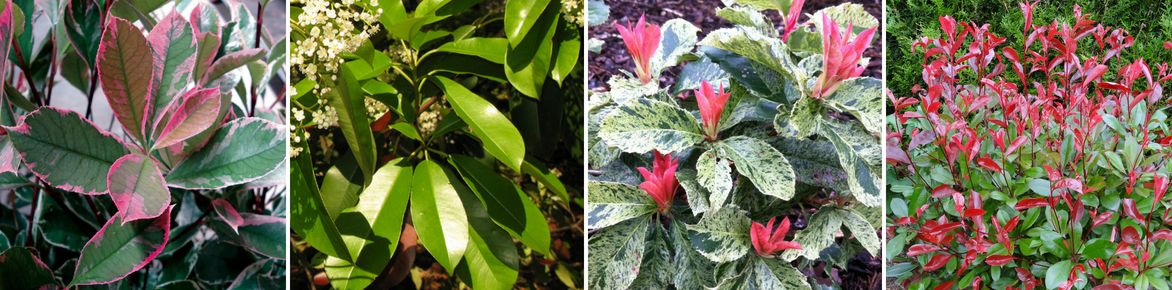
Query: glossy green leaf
point(341, 184)
point(49, 142)
point(566, 60)
point(490, 261)
point(242, 150)
point(438, 215)
point(769, 171)
point(371, 228)
point(1057, 273)
point(309, 219)
point(721, 235)
point(528, 62)
point(520, 17)
point(643, 125)
point(505, 203)
point(489, 48)
point(500, 137)
point(119, 249)
point(1098, 249)
point(22, 269)
point(612, 203)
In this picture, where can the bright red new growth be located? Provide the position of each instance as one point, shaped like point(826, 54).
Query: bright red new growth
point(840, 55)
point(660, 182)
point(711, 103)
point(642, 40)
point(791, 19)
point(769, 241)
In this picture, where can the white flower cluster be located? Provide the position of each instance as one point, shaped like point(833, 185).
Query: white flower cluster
point(428, 120)
point(572, 11)
point(330, 32)
point(374, 108)
point(325, 117)
point(295, 134)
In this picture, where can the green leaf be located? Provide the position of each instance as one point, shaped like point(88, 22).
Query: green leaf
point(818, 235)
point(347, 98)
point(799, 122)
point(438, 215)
point(491, 259)
point(775, 274)
point(371, 228)
point(566, 60)
point(1098, 249)
point(48, 142)
point(527, 63)
point(715, 175)
point(779, 5)
point(1058, 273)
point(542, 175)
point(863, 98)
point(242, 150)
point(310, 219)
point(126, 75)
point(721, 235)
point(858, 154)
point(769, 171)
point(862, 230)
point(23, 270)
point(505, 203)
point(677, 39)
point(489, 48)
point(137, 188)
point(520, 18)
point(500, 137)
point(173, 48)
point(643, 125)
point(119, 249)
point(263, 234)
point(612, 203)
point(759, 48)
point(746, 16)
point(59, 227)
point(615, 254)
point(256, 276)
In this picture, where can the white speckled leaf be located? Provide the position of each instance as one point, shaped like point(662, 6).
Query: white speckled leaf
point(611, 203)
point(857, 154)
point(862, 230)
point(624, 89)
point(745, 16)
point(779, 5)
point(722, 235)
point(846, 13)
point(757, 47)
point(677, 38)
point(775, 274)
point(799, 122)
point(863, 98)
point(697, 195)
point(769, 171)
point(693, 271)
point(715, 175)
point(657, 268)
point(643, 125)
point(818, 235)
point(616, 254)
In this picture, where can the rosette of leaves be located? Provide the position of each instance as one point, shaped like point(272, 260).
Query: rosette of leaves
point(477, 103)
point(780, 152)
point(183, 192)
point(1051, 173)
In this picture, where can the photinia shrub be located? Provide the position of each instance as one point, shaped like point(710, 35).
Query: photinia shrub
point(186, 192)
point(430, 138)
point(1032, 164)
point(768, 132)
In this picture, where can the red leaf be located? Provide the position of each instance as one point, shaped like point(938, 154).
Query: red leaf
point(937, 262)
point(1026, 278)
point(988, 164)
point(999, 260)
point(1131, 210)
point(943, 190)
point(1101, 219)
point(1029, 203)
point(921, 249)
point(945, 286)
point(974, 212)
point(1164, 234)
point(1130, 235)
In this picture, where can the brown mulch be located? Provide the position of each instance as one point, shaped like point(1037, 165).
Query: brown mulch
point(614, 57)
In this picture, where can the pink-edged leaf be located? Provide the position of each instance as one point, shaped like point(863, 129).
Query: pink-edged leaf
point(6, 30)
point(989, 164)
point(22, 269)
point(9, 158)
point(173, 46)
point(137, 188)
point(209, 45)
point(230, 62)
point(999, 260)
point(198, 111)
point(48, 140)
point(263, 234)
point(920, 249)
point(119, 249)
point(228, 214)
point(126, 75)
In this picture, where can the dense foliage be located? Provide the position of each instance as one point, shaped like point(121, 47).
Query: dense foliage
point(782, 137)
point(1031, 165)
point(910, 20)
point(447, 124)
point(187, 191)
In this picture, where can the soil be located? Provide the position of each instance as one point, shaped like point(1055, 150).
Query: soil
point(614, 57)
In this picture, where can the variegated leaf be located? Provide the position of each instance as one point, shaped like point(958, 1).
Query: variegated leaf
point(697, 195)
point(815, 162)
point(22, 269)
point(862, 230)
point(819, 234)
point(769, 171)
point(846, 14)
point(624, 89)
point(657, 268)
point(126, 75)
point(263, 234)
point(611, 203)
point(721, 235)
point(173, 49)
point(228, 214)
point(137, 188)
point(677, 38)
point(715, 175)
point(858, 154)
point(208, 44)
point(643, 125)
point(775, 274)
point(781, 6)
point(230, 62)
point(863, 98)
point(799, 122)
point(242, 150)
point(746, 16)
point(49, 141)
point(119, 249)
point(615, 254)
point(759, 48)
point(197, 112)
point(693, 271)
